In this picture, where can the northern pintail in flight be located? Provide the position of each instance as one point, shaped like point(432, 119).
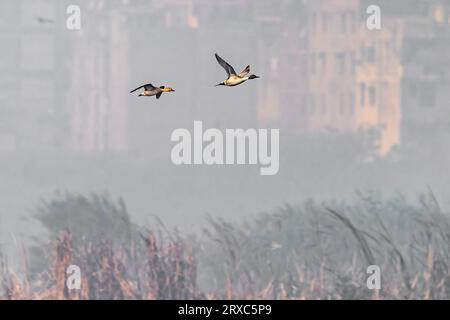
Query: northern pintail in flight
point(234, 79)
point(150, 90)
point(44, 20)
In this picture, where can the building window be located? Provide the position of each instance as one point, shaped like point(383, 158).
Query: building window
point(312, 63)
point(304, 64)
point(312, 104)
point(370, 54)
point(340, 62)
point(362, 94)
point(353, 21)
point(324, 104)
point(324, 21)
point(372, 96)
point(323, 62)
point(341, 104)
point(344, 22)
point(313, 22)
point(352, 62)
point(351, 103)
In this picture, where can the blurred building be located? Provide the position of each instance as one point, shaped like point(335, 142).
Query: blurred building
point(100, 73)
point(33, 70)
point(348, 78)
point(388, 84)
point(59, 88)
point(425, 57)
point(281, 44)
point(332, 72)
point(322, 70)
point(405, 73)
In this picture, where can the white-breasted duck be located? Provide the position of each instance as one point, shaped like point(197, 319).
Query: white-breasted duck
point(234, 79)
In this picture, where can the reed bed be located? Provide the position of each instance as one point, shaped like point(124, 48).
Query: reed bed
point(312, 251)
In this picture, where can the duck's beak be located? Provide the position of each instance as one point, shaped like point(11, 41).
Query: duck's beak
point(220, 84)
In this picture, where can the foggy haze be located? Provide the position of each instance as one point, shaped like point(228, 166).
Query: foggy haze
point(68, 122)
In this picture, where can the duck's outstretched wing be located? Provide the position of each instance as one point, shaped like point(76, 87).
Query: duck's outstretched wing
point(147, 86)
point(244, 72)
point(43, 20)
point(229, 69)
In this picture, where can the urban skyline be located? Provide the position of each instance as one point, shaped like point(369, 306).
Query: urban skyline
point(335, 73)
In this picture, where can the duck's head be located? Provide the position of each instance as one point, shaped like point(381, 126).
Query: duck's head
point(220, 84)
point(168, 90)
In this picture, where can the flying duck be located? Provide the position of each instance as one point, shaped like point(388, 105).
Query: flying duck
point(150, 90)
point(44, 20)
point(234, 79)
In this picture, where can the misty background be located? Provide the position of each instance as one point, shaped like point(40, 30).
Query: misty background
point(357, 109)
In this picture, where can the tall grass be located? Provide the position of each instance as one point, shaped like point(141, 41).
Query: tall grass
point(313, 251)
